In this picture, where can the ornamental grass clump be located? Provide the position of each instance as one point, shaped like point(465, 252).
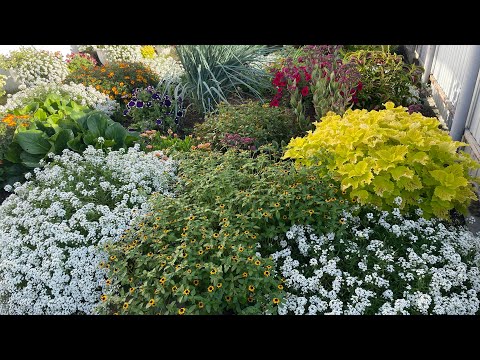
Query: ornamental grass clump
point(201, 252)
point(54, 228)
point(380, 155)
point(384, 264)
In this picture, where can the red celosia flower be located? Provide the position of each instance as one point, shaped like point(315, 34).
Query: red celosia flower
point(305, 91)
point(274, 103)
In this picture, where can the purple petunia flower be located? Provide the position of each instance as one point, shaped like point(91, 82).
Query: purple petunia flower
point(148, 104)
point(180, 113)
point(167, 103)
point(139, 104)
point(131, 103)
point(125, 112)
point(155, 96)
point(159, 121)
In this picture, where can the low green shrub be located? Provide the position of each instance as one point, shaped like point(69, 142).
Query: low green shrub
point(385, 77)
point(252, 120)
point(200, 252)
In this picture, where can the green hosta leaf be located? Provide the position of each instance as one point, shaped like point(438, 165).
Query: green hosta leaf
point(89, 138)
point(97, 123)
point(401, 171)
point(76, 144)
point(116, 132)
point(61, 139)
point(45, 127)
point(40, 114)
point(33, 142)
point(75, 115)
point(444, 193)
point(13, 153)
point(29, 160)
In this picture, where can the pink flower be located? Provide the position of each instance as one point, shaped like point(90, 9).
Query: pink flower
point(305, 91)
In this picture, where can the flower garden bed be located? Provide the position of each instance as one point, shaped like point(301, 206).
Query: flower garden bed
point(231, 180)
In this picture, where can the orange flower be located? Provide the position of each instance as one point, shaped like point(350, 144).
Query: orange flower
point(111, 74)
point(103, 69)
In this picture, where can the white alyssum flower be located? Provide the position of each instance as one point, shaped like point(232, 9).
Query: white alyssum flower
point(416, 266)
point(52, 229)
point(33, 67)
point(83, 95)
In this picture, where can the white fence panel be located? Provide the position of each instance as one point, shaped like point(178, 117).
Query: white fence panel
point(421, 51)
point(448, 70)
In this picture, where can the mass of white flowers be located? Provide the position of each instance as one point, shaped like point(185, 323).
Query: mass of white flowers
point(33, 67)
point(385, 264)
point(121, 53)
point(54, 226)
point(3, 81)
point(165, 67)
point(81, 94)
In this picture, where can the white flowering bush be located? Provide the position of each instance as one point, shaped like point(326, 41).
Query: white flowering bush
point(83, 95)
point(121, 53)
point(33, 67)
point(53, 228)
point(386, 264)
point(3, 81)
point(165, 67)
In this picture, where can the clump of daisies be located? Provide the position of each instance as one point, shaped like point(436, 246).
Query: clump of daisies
point(83, 95)
point(33, 67)
point(384, 263)
point(54, 227)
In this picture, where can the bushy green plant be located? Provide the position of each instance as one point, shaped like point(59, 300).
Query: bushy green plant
point(80, 60)
point(252, 120)
point(154, 140)
point(200, 251)
point(58, 123)
point(381, 155)
point(385, 77)
point(216, 73)
point(117, 80)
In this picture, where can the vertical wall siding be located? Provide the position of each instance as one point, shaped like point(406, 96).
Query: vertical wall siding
point(422, 53)
point(448, 69)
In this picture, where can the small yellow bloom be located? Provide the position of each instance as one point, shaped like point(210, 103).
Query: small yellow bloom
point(210, 288)
point(181, 311)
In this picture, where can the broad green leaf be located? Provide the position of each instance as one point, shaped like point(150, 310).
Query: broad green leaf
point(33, 142)
point(43, 126)
point(97, 123)
point(40, 114)
point(13, 153)
point(76, 144)
point(89, 138)
point(444, 193)
point(419, 157)
point(116, 132)
point(29, 160)
point(61, 139)
point(361, 194)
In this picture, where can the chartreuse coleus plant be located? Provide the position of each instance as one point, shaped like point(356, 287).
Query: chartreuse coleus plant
point(380, 155)
point(56, 124)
